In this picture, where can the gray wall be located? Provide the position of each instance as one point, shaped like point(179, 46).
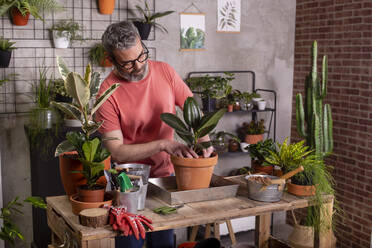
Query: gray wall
point(265, 45)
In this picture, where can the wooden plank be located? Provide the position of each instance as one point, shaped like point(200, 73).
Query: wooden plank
point(231, 232)
point(194, 232)
point(216, 230)
point(207, 233)
point(277, 243)
point(262, 230)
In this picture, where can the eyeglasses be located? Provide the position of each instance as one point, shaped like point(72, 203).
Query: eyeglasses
point(130, 63)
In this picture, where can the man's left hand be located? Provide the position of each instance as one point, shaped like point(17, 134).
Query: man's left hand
point(207, 152)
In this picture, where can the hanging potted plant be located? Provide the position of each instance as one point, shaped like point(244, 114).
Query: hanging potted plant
point(88, 156)
point(20, 10)
point(252, 132)
point(106, 7)
point(66, 32)
point(193, 173)
point(145, 23)
point(258, 152)
point(98, 56)
point(6, 48)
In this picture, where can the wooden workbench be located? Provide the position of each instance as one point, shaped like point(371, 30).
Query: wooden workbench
point(65, 225)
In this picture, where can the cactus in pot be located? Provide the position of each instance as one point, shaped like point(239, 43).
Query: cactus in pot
point(318, 118)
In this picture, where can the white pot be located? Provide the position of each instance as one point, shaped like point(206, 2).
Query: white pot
point(261, 105)
point(243, 145)
point(255, 100)
point(61, 40)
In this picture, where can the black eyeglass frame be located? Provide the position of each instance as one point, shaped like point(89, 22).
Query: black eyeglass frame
point(145, 51)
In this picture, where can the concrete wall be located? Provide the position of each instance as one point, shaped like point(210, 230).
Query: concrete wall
point(265, 45)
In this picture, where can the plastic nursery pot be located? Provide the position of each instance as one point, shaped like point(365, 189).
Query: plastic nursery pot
point(193, 173)
point(18, 19)
point(253, 138)
point(78, 206)
point(106, 7)
point(301, 190)
point(5, 58)
point(143, 29)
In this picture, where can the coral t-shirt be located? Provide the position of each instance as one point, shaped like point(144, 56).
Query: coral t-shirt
point(135, 108)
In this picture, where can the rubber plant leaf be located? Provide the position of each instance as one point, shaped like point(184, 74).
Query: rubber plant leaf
point(92, 127)
point(88, 74)
point(64, 146)
point(174, 122)
point(187, 138)
point(204, 131)
point(210, 119)
point(62, 68)
point(102, 98)
point(90, 148)
point(94, 84)
point(191, 112)
point(77, 88)
point(68, 109)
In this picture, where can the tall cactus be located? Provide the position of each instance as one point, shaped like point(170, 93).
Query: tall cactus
point(318, 119)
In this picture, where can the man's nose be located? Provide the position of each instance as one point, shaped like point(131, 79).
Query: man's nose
point(137, 65)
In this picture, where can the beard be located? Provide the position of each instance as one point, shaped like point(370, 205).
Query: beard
point(135, 75)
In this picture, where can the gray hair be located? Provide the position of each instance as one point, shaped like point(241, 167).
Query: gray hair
point(120, 35)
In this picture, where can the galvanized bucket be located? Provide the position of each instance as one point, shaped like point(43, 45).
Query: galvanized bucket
point(272, 193)
point(128, 200)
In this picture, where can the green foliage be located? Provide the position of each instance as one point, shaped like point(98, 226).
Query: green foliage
point(149, 17)
point(195, 126)
point(71, 27)
point(215, 87)
point(318, 118)
point(9, 231)
point(220, 142)
point(43, 89)
point(90, 151)
point(59, 88)
point(252, 128)
point(34, 7)
point(261, 150)
point(192, 39)
point(8, 78)
point(97, 53)
point(228, 13)
point(6, 45)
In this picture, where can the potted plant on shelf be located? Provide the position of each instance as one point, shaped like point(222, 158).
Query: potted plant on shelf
point(212, 88)
point(252, 132)
point(145, 23)
point(98, 56)
point(106, 7)
point(246, 97)
point(198, 170)
point(66, 32)
point(88, 155)
point(258, 152)
point(220, 142)
point(6, 48)
point(20, 10)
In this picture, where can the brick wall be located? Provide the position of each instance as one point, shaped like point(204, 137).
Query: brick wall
point(343, 29)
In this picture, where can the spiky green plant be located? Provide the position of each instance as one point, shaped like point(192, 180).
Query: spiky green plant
point(318, 118)
point(6, 45)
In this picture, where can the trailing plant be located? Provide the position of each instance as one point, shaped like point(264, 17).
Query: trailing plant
point(195, 125)
point(6, 45)
point(89, 150)
point(34, 7)
point(149, 17)
point(72, 28)
point(252, 128)
point(261, 150)
point(318, 118)
point(97, 53)
point(213, 86)
point(9, 231)
point(247, 96)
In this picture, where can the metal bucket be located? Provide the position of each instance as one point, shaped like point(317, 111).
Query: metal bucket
point(273, 192)
point(128, 200)
point(142, 170)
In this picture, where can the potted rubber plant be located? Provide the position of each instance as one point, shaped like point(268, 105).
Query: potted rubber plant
point(20, 10)
point(98, 56)
point(252, 132)
point(81, 146)
point(65, 32)
point(258, 152)
point(6, 48)
point(193, 173)
point(145, 23)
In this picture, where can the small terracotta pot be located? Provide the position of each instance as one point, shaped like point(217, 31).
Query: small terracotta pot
point(278, 173)
point(70, 180)
point(88, 195)
point(106, 62)
point(230, 108)
point(193, 173)
point(259, 168)
point(106, 7)
point(253, 138)
point(301, 190)
point(78, 206)
point(18, 19)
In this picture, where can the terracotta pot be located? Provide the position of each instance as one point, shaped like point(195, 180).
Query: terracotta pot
point(88, 195)
point(301, 236)
point(230, 108)
point(301, 190)
point(106, 7)
point(253, 138)
point(106, 62)
point(193, 173)
point(70, 180)
point(18, 19)
point(78, 206)
point(259, 168)
point(278, 172)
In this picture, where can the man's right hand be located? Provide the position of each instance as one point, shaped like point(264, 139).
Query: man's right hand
point(177, 149)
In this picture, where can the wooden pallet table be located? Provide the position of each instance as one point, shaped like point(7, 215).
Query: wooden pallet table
point(66, 228)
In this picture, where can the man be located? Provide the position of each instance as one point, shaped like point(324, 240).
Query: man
point(132, 114)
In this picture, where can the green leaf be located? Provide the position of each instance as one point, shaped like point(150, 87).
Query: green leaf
point(191, 112)
point(68, 109)
point(206, 130)
point(36, 202)
point(88, 73)
point(95, 82)
point(62, 67)
point(160, 14)
point(104, 97)
point(187, 138)
point(90, 148)
point(77, 88)
point(174, 122)
point(211, 119)
point(64, 146)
